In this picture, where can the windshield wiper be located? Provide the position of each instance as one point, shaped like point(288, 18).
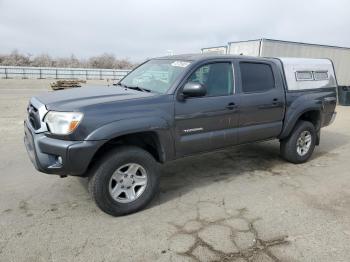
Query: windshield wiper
point(135, 88)
point(120, 84)
point(139, 88)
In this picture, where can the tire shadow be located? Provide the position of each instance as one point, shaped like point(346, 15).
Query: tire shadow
point(187, 174)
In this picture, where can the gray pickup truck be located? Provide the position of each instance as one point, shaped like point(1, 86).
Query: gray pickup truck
point(172, 107)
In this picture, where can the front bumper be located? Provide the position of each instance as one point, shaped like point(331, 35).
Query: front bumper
point(61, 157)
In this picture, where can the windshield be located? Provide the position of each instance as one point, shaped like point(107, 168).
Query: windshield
point(155, 75)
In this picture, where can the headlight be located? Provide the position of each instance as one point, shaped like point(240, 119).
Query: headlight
point(62, 123)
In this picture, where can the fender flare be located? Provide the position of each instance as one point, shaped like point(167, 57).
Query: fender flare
point(294, 113)
point(122, 127)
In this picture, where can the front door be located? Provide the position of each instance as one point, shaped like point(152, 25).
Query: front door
point(208, 122)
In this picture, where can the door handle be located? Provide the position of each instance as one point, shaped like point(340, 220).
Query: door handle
point(231, 106)
point(275, 102)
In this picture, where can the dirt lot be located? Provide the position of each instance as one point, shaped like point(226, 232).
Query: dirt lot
point(243, 204)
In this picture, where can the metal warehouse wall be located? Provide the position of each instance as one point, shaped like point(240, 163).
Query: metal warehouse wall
point(340, 56)
point(216, 50)
point(249, 48)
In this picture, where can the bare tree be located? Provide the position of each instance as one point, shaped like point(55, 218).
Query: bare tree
point(102, 61)
point(71, 61)
point(105, 60)
point(42, 60)
point(16, 59)
point(123, 64)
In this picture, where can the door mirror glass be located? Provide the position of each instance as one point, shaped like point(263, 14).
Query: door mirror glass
point(192, 89)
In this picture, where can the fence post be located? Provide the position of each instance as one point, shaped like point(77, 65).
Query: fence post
point(86, 74)
point(100, 74)
point(24, 74)
point(6, 75)
point(40, 74)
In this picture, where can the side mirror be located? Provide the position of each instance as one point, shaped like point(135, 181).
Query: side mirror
point(192, 89)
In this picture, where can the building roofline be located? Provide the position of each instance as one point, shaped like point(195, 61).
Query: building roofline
point(291, 42)
point(204, 56)
point(218, 46)
point(244, 41)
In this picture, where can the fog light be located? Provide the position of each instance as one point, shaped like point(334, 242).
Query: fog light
point(57, 161)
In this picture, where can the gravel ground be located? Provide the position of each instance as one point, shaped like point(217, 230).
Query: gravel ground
point(242, 204)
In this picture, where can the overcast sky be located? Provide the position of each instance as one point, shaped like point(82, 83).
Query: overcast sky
point(140, 29)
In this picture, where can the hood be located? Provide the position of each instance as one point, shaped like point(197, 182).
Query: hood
point(77, 98)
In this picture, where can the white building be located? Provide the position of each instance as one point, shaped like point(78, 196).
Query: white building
point(277, 48)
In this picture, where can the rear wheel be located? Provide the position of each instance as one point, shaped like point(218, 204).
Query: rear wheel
point(124, 181)
point(299, 146)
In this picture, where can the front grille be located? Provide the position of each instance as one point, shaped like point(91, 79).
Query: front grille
point(33, 116)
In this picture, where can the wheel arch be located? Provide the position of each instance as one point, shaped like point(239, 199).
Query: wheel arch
point(149, 141)
point(311, 114)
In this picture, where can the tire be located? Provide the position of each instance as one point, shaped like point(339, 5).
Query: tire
point(289, 148)
point(117, 168)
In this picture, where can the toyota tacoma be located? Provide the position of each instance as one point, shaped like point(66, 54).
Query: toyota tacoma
point(172, 107)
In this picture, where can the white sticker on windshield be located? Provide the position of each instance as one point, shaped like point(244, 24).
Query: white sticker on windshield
point(180, 63)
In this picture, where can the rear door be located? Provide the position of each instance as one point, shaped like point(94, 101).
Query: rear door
point(262, 100)
point(208, 122)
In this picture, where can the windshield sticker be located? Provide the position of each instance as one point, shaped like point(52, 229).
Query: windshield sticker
point(180, 63)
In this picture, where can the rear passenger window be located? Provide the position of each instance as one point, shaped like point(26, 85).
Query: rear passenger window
point(256, 77)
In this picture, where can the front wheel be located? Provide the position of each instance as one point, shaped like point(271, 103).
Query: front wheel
point(125, 180)
point(299, 146)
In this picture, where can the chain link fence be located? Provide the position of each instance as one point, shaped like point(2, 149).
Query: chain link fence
point(9, 72)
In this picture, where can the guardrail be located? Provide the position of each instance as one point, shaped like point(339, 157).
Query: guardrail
point(8, 72)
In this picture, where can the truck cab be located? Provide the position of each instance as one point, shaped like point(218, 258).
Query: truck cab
point(172, 107)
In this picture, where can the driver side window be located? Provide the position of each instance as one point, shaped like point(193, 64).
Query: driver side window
point(216, 77)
